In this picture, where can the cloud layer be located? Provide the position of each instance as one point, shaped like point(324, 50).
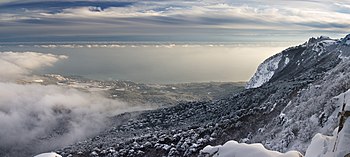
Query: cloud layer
point(132, 20)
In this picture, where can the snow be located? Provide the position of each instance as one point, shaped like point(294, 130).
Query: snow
point(314, 119)
point(343, 142)
point(273, 107)
point(336, 145)
point(331, 146)
point(233, 148)
point(94, 153)
point(52, 154)
point(267, 69)
point(264, 72)
point(320, 144)
point(320, 47)
point(282, 115)
point(286, 61)
point(244, 140)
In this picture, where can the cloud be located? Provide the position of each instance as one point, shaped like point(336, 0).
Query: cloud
point(36, 118)
point(31, 115)
point(137, 18)
point(16, 64)
point(200, 13)
point(56, 6)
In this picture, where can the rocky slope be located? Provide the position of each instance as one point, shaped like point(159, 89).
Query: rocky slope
point(291, 97)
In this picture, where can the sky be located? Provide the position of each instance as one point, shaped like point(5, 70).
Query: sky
point(172, 20)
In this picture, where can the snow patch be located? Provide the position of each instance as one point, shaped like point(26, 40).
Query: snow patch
point(273, 107)
point(286, 61)
point(52, 154)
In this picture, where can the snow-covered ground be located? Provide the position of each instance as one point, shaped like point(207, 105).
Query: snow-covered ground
point(321, 146)
point(52, 154)
point(337, 145)
point(235, 149)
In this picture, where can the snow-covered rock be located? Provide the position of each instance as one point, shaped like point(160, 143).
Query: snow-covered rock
point(264, 72)
point(233, 148)
point(346, 40)
point(331, 146)
point(342, 146)
point(321, 47)
point(52, 154)
point(306, 55)
point(320, 146)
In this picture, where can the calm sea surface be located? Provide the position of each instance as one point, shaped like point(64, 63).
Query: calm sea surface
point(155, 62)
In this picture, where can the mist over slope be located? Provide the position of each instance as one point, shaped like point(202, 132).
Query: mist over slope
point(292, 96)
point(14, 65)
point(35, 117)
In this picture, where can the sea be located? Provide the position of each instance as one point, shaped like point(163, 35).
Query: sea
point(154, 62)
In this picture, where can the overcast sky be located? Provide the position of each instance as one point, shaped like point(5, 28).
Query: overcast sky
point(172, 20)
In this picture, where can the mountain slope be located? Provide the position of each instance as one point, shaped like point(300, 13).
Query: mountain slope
point(317, 54)
point(290, 98)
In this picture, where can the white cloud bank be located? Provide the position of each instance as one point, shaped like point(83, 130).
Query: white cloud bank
point(36, 118)
point(153, 19)
point(200, 13)
point(14, 64)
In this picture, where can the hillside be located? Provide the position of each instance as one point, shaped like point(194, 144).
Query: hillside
point(292, 96)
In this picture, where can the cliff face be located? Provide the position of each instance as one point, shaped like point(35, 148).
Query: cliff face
point(315, 54)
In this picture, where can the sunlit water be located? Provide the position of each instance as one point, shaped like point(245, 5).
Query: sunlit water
point(155, 63)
